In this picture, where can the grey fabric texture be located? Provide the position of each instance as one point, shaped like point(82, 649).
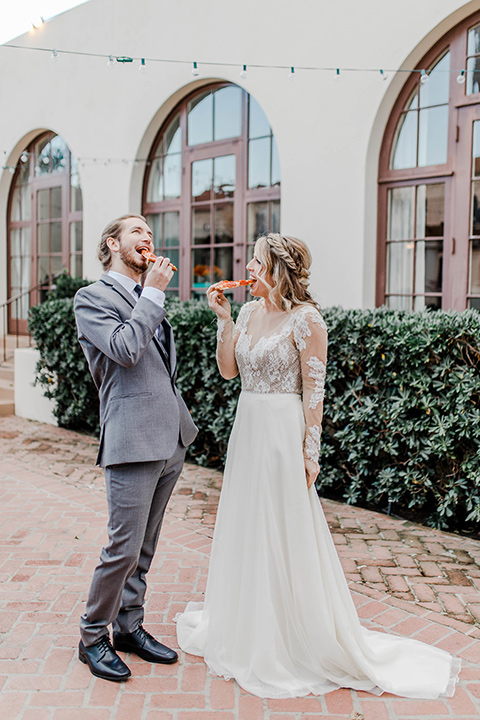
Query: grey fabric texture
point(141, 412)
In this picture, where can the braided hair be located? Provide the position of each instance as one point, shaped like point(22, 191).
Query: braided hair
point(287, 260)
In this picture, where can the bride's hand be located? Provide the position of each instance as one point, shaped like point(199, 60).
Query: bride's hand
point(219, 303)
point(311, 471)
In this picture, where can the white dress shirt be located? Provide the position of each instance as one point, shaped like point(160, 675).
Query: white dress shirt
point(151, 293)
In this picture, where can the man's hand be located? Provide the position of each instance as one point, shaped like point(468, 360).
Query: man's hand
point(160, 274)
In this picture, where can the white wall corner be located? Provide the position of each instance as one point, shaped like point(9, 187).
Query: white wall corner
point(30, 402)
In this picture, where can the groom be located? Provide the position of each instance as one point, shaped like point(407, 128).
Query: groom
point(145, 429)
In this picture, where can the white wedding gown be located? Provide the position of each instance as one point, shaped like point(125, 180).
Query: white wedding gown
point(278, 615)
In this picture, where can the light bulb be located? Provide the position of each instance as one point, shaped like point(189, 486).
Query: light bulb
point(143, 67)
point(424, 78)
point(111, 61)
point(461, 77)
point(54, 56)
point(37, 21)
point(291, 75)
point(244, 73)
point(11, 170)
point(195, 70)
point(24, 157)
point(337, 74)
point(383, 75)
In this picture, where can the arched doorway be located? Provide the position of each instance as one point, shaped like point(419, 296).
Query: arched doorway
point(44, 224)
point(212, 186)
point(429, 182)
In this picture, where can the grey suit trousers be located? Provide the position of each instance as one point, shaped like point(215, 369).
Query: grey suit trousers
point(137, 495)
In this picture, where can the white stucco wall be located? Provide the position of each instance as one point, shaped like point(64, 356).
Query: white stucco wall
point(328, 132)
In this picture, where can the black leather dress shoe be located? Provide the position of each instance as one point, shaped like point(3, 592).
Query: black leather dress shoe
point(144, 645)
point(103, 661)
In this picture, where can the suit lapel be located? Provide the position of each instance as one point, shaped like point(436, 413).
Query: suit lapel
point(118, 288)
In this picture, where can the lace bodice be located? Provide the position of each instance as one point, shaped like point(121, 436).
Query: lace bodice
point(291, 359)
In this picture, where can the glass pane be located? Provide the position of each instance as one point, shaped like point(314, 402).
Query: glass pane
point(259, 163)
point(43, 208)
point(401, 213)
point(25, 243)
point(200, 119)
point(173, 136)
point(43, 232)
point(24, 175)
point(432, 136)
point(76, 266)
point(422, 302)
point(275, 216)
point(43, 269)
point(201, 226)
point(474, 41)
point(223, 227)
point(474, 303)
point(19, 309)
point(76, 236)
point(400, 267)
point(59, 151)
point(474, 284)
point(223, 264)
point(405, 145)
point(154, 222)
point(224, 176)
point(428, 266)
point(56, 265)
point(155, 181)
point(258, 125)
point(42, 157)
point(76, 202)
point(15, 242)
point(21, 203)
point(172, 230)
point(476, 208)
point(473, 75)
point(202, 177)
point(56, 237)
point(174, 258)
point(56, 199)
point(172, 169)
point(15, 271)
point(430, 210)
point(228, 112)
point(275, 164)
point(250, 252)
point(201, 273)
point(436, 90)
point(476, 149)
point(257, 220)
point(399, 302)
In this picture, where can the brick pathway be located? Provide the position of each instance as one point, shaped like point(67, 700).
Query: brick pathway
point(404, 578)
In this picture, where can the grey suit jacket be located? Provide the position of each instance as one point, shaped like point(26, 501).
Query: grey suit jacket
point(142, 415)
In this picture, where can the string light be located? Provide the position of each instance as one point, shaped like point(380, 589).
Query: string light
point(337, 74)
point(291, 75)
point(37, 22)
point(54, 56)
point(244, 73)
point(143, 66)
point(111, 61)
point(383, 75)
point(461, 77)
point(424, 78)
point(196, 71)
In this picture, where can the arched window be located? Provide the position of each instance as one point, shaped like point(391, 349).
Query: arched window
point(44, 222)
point(212, 187)
point(429, 182)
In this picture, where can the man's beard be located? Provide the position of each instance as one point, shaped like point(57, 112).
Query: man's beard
point(133, 260)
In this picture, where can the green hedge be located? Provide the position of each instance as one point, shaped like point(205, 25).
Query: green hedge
point(402, 410)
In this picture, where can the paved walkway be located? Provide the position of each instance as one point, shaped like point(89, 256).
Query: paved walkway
point(404, 578)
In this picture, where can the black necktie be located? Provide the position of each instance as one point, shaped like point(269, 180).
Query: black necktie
point(138, 290)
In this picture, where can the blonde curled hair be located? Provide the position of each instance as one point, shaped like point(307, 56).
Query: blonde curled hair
point(287, 260)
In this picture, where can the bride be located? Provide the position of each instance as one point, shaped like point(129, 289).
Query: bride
point(278, 615)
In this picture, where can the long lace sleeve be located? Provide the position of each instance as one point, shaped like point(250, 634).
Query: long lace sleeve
point(311, 339)
point(227, 336)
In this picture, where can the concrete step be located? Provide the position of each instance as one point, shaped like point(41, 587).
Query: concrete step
point(7, 407)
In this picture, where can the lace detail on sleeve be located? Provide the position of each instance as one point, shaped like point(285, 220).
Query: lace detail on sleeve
point(318, 373)
point(312, 443)
point(220, 328)
point(301, 328)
